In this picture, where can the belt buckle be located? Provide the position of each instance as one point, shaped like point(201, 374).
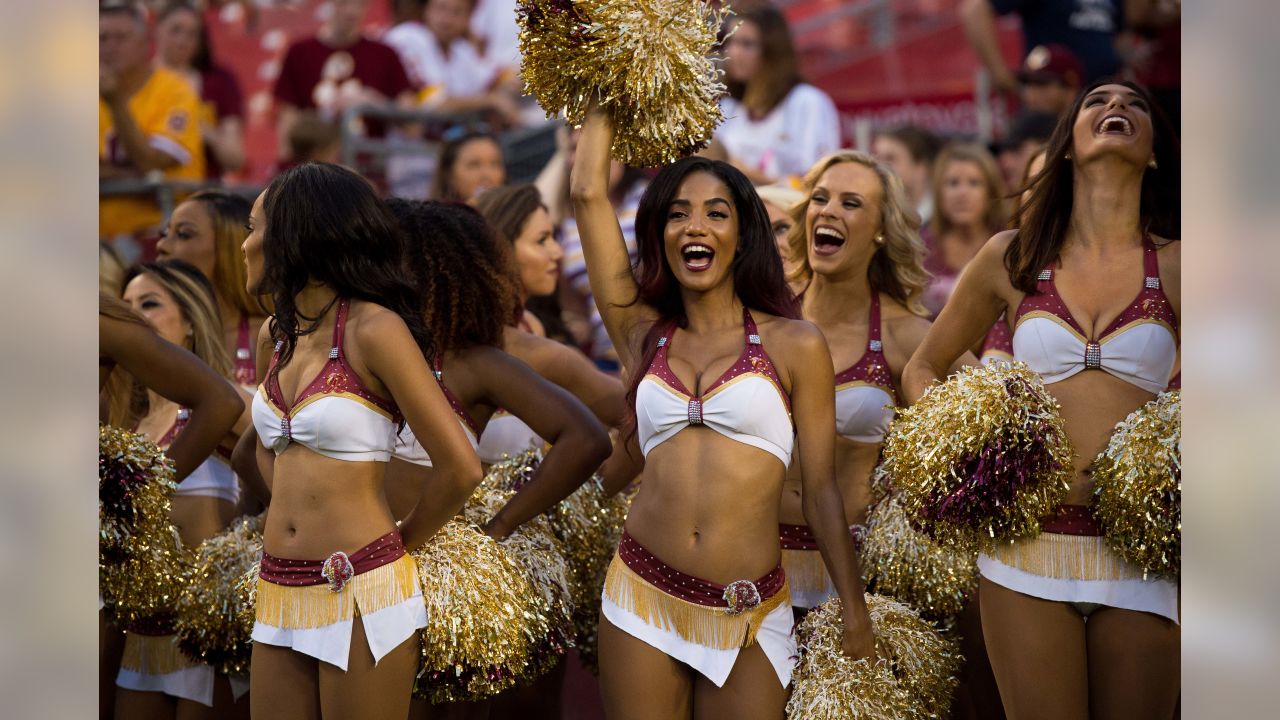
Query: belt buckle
point(338, 570)
point(741, 596)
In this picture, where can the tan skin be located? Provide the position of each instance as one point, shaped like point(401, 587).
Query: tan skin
point(1122, 663)
point(846, 200)
point(320, 505)
point(963, 199)
point(189, 236)
point(537, 257)
point(178, 375)
point(196, 518)
point(709, 505)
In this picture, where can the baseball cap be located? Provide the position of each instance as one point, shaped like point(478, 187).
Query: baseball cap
point(1051, 63)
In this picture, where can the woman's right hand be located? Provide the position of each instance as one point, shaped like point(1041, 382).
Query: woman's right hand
point(858, 640)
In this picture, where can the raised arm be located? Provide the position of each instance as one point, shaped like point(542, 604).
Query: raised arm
point(608, 264)
point(178, 375)
point(980, 296)
point(567, 367)
point(814, 409)
point(578, 442)
point(979, 21)
point(395, 359)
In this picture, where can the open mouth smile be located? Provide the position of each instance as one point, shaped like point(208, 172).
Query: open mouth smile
point(697, 257)
point(827, 240)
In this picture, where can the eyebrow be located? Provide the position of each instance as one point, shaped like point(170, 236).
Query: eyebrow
point(712, 201)
point(1100, 91)
point(843, 194)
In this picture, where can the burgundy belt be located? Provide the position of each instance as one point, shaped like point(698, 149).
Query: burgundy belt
point(738, 595)
point(800, 537)
point(1072, 520)
point(337, 569)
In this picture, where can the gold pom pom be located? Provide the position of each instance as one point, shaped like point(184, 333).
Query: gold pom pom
point(913, 676)
point(142, 565)
point(901, 562)
point(589, 526)
point(648, 61)
point(480, 629)
point(534, 547)
point(211, 608)
point(982, 457)
point(1138, 486)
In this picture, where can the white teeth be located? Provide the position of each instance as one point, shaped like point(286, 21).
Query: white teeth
point(1115, 122)
point(828, 232)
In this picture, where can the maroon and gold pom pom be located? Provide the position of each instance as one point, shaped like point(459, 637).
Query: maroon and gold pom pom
point(981, 457)
point(211, 609)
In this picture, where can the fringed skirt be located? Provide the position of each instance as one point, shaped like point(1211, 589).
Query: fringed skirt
point(1072, 562)
point(806, 572)
point(698, 622)
point(152, 662)
point(310, 605)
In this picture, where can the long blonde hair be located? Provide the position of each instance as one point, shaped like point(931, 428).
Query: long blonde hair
point(897, 267)
point(119, 389)
point(229, 214)
point(194, 296)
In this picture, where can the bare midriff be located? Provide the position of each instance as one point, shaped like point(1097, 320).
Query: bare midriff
point(1091, 403)
point(854, 463)
point(320, 505)
point(708, 506)
point(199, 518)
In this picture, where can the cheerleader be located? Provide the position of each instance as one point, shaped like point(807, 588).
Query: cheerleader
point(696, 614)
point(156, 679)
point(207, 231)
point(859, 257)
point(130, 352)
point(1091, 280)
point(338, 600)
point(520, 222)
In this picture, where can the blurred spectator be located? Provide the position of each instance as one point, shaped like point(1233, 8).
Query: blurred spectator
point(182, 45)
point(494, 26)
point(1087, 27)
point(1050, 79)
point(1154, 52)
point(519, 218)
point(146, 120)
point(578, 308)
point(432, 41)
point(469, 165)
point(338, 69)
point(778, 201)
point(311, 139)
point(970, 209)
point(909, 151)
point(775, 124)
point(1028, 133)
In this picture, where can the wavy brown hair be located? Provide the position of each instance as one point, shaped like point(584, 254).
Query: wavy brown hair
point(1044, 218)
point(463, 273)
point(994, 217)
point(897, 267)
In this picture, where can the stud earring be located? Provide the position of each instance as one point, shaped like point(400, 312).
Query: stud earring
point(880, 239)
point(1152, 163)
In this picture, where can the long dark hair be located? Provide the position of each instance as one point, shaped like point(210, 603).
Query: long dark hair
point(464, 276)
point(203, 59)
point(442, 183)
point(1043, 219)
point(758, 279)
point(325, 223)
point(779, 69)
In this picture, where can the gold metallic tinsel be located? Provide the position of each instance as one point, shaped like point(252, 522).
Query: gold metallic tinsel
point(981, 457)
point(901, 562)
point(210, 622)
point(913, 676)
point(541, 558)
point(481, 630)
point(589, 526)
point(648, 61)
point(1138, 486)
point(141, 562)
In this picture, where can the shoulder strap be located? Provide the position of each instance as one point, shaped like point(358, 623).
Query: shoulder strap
point(873, 324)
point(1150, 263)
point(339, 329)
point(749, 327)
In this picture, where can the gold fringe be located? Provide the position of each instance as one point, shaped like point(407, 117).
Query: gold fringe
point(1067, 557)
point(316, 606)
point(806, 572)
point(699, 624)
point(154, 654)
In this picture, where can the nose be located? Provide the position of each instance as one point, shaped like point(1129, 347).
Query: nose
point(554, 249)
